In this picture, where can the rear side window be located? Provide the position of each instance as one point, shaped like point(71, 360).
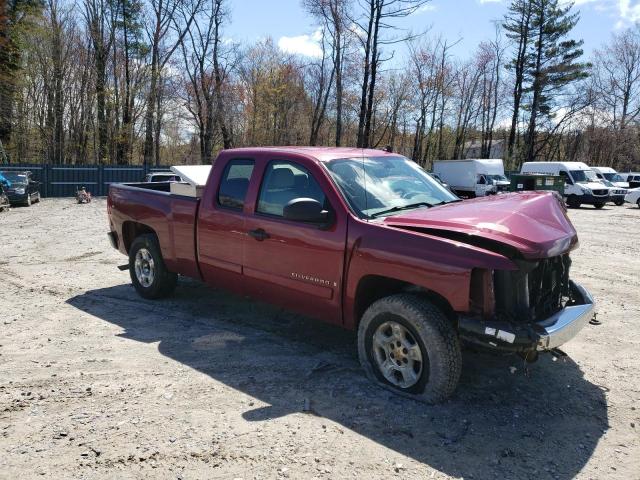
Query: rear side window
point(235, 183)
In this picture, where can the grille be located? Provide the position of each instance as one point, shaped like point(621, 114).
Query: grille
point(599, 192)
point(534, 292)
point(548, 286)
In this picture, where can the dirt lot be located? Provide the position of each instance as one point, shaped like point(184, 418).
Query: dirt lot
point(98, 383)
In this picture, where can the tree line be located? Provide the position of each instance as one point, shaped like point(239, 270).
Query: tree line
point(160, 82)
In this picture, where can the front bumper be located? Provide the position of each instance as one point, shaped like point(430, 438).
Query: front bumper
point(564, 325)
point(17, 197)
point(617, 197)
point(591, 199)
point(543, 335)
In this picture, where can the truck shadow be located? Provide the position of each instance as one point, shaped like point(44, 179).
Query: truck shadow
point(508, 425)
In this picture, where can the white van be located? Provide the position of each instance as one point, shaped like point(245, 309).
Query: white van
point(632, 178)
point(608, 173)
point(472, 178)
point(581, 184)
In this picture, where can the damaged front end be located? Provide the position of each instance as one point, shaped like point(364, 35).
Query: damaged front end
point(534, 308)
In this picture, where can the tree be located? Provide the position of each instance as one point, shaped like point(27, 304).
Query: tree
point(517, 25)
point(97, 17)
point(616, 78)
point(167, 16)
point(377, 17)
point(334, 16)
point(320, 84)
point(551, 63)
point(14, 17)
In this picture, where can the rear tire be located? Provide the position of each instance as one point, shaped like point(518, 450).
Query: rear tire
point(28, 202)
point(408, 346)
point(638, 203)
point(148, 272)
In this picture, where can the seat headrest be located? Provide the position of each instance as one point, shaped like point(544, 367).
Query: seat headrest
point(282, 178)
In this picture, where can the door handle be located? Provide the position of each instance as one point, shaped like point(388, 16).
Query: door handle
point(259, 234)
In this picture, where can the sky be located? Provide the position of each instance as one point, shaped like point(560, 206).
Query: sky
point(466, 21)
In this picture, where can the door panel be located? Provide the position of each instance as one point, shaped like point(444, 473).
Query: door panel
point(298, 266)
point(221, 227)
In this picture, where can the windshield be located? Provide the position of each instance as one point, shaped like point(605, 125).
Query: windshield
point(613, 177)
point(15, 177)
point(498, 178)
point(376, 186)
point(584, 176)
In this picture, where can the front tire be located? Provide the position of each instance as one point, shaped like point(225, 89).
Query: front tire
point(619, 203)
point(598, 205)
point(573, 201)
point(408, 346)
point(28, 202)
point(148, 272)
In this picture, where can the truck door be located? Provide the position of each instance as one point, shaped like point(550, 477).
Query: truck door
point(221, 227)
point(293, 264)
point(568, 183)
point(481, 186)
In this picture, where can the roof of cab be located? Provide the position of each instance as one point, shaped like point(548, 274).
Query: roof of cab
point(323, 154)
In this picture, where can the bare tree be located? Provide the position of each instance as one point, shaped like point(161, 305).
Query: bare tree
point(334, 16)
point(167, 17)
point(377, 17)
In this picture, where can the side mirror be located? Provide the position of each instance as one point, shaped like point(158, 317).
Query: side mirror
point(306, 210)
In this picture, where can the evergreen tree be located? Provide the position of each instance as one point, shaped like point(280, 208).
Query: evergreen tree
point(551, 63)
point(13, 14)
point(517, 26)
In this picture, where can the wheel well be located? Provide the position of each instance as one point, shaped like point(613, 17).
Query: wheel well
point(374, 287)
point(132, 230)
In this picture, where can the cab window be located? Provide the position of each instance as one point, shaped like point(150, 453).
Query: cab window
point(283, 182)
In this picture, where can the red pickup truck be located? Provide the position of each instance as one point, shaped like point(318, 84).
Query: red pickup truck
point(367, 240)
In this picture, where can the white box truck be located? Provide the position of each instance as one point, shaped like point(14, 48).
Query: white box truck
point(472, 177)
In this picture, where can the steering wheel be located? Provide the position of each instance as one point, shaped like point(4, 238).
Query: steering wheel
point(409, 195)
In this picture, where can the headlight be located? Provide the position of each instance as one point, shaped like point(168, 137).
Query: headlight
point(19, 191)
point(586, 190)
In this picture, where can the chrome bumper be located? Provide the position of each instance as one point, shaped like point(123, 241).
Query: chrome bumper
point(564, 325)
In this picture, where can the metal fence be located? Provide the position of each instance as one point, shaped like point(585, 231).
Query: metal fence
point(64, 180)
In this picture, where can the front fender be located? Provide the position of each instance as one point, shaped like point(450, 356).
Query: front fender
point(439, 265)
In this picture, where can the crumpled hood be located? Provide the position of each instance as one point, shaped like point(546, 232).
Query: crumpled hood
point(534, 223)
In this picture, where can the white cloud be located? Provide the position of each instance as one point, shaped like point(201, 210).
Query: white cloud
point(305, 45)
point(429, 7)
point(482, 2)
point(629, 11)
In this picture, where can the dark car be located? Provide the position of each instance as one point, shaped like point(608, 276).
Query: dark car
point(22, 188)
point(4, 200)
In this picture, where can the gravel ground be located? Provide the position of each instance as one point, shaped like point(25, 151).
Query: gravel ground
point(97, 383)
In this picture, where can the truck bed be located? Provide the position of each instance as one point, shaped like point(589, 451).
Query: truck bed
point(171, 216)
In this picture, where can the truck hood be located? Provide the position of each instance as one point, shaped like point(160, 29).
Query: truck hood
point(531, 225)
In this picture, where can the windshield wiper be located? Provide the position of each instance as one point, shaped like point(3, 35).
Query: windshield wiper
point(404, 207)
